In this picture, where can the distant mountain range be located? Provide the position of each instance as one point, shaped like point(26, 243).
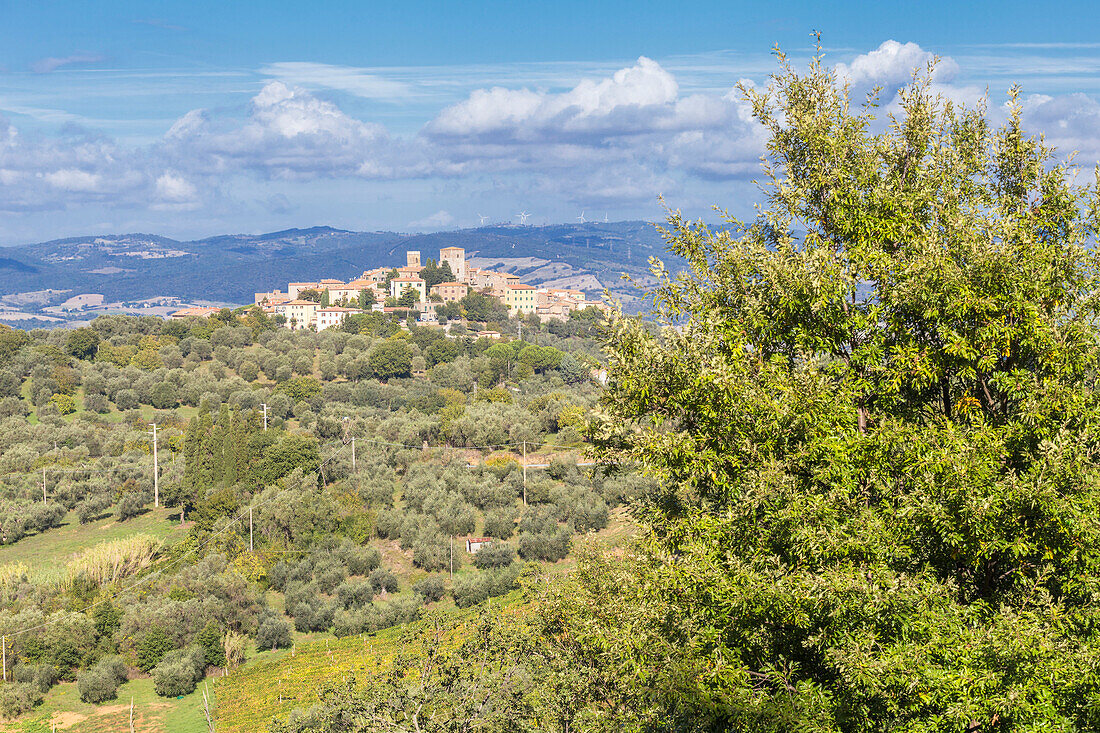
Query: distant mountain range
point(72, 280)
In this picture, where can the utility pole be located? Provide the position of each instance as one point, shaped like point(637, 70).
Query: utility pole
point(525, 473)
point(43, 484)
point(250, 548)
point(452, 558)
point(264, 405)
point(353, 454)
point(5, 646)
point(156, 470)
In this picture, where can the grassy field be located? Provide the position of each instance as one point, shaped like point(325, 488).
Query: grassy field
point(47, 553)
point(152, 713)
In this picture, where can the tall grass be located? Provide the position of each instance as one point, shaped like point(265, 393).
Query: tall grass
point(11, 576)
point(114, 559)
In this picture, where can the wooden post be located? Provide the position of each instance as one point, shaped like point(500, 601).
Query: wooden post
point(4, 643)
point(452, 558)
point(43, 484)
point(525, 473)
point(156, 470)
point(353, 454)
point(264, 405)
point(250, 547)
point(131, 714)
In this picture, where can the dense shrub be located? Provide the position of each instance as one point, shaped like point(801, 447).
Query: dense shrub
point(431, 588)
point(154, 644)
point(383, 580)
point(42, 676)
point(179, 671)
point(274, 633)
point(473, 589)
point(497, 556)
point(101, 682)
point(92, 508)
point(18, 698)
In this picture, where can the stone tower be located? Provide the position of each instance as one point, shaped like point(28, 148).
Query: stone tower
point(456, 256)
point(412, 259)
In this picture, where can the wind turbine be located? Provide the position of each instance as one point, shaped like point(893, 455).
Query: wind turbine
point(581, 218)
point(483, 218)
point(523, 217)
point(605, 217)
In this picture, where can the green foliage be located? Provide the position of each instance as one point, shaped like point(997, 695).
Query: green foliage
point(100, 683)
point(64, 403)
point(391, 358)
point(875, 430)
point(154, 644)
point(274, 633)
point(301, 389)
point(210, 641)
point(82, 343)
point(179, 671)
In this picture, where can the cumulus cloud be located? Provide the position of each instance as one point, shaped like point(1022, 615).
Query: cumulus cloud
point(290, 134)
point(1069, 122)
point(634, 121)
point(620, 137)
point(638, 99)
point(41, 173)
point(891, 66)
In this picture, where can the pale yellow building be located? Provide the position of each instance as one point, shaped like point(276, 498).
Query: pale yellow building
point(400, 284)
point(520, 298)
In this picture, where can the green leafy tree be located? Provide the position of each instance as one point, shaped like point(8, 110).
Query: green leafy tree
point(409, 298)
point(325, 299)
point(875, 429)
point(310, 294)
point(391, 358)
point(366, 299)
point(82, 343)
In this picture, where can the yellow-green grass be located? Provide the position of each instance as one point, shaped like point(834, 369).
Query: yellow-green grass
point(48, 553)
point(274, 683)
point(152, 713)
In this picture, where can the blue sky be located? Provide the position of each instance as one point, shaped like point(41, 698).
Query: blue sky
point(189, 119)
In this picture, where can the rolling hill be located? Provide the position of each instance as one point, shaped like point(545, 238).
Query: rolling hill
point(70, 280)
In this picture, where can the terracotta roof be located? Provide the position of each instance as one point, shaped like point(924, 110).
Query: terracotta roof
point(300, 302)
point(451, 284)
point(337, 309)
point(519, 287)
point(406, 280)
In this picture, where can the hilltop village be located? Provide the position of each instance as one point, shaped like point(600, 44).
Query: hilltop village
point(430, 292)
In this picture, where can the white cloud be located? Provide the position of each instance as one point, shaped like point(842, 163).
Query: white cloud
point(290, 134)
point(892, 64)
point(637, 99)
point(438, 220)
point(73, 179)
point(173, 188)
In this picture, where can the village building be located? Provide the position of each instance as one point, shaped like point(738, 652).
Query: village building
point(520, 298)
point(451, 291)
point(299, 314)
point(332, 316)
point(456, 258)
point(275, 296)
point(400, 284)
point(473, 544)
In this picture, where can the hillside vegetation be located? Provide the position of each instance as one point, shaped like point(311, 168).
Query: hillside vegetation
point(309, 488)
